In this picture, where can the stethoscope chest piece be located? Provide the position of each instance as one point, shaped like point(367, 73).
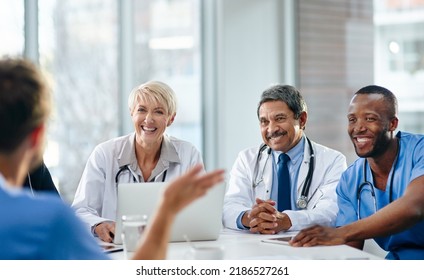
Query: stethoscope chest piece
point(302, 202)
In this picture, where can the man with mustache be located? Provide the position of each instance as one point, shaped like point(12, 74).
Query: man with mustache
point(264, 196)
point(381, 194)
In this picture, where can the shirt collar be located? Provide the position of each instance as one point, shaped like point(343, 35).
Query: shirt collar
point(168, 153)
point(127, 154)
point(2, 181)
point(295, 153)
point(10, 190)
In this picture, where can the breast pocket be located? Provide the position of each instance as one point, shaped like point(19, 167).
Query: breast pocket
point(316, 197)
point(261, 191)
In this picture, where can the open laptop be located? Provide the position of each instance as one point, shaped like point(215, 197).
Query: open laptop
point(200, 220)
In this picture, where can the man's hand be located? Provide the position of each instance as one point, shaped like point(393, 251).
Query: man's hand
point(318, 235)
point(265, 219)
point(105, 231)
point(261, 219)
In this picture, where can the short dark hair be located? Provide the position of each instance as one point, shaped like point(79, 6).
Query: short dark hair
point(287, 94)
point(24, 101)
point(388, 96)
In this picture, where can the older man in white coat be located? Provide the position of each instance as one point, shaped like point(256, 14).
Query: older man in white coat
point(268, 194)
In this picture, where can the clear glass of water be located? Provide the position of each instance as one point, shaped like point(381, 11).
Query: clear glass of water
point(133, 227)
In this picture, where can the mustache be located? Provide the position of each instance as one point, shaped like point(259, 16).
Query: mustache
point(275, 134)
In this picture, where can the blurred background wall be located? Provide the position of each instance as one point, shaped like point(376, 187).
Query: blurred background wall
point(218, 55)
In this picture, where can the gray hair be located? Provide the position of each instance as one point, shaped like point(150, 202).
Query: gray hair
point(287, 94)
point(154, 91)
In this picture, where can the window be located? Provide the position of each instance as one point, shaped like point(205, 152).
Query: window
point(80, 50)
point(167, 48)
point(11, 27)
point(399, 57)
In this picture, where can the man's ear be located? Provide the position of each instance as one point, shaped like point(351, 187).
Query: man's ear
point(37, 135)
point(302, 120)
point(171, 119)
point(394, 124)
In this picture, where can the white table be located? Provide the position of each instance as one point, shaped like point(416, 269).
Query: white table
point(240, 245)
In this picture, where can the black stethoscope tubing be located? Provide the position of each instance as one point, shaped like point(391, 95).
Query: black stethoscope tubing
point(302, 201)
point(368, 183)
point(126, 168)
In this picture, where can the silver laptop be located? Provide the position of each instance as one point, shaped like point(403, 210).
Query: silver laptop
point(200, 220)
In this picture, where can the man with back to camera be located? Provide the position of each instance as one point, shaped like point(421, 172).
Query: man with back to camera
point(265, 196)
point(381, 195)
point(42, 226)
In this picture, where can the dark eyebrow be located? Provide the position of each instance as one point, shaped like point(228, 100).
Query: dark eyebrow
point(284, 115)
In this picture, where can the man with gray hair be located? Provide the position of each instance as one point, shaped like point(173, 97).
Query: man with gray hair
point(289, 181)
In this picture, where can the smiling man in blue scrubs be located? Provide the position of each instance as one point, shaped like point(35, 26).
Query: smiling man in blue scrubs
point(381, 195)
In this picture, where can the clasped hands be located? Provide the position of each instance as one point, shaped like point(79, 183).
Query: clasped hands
point(265, 219)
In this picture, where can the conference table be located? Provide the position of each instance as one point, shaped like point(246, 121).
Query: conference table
point(243, 245)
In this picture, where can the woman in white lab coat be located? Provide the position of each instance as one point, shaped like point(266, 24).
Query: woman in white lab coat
point(147, 155)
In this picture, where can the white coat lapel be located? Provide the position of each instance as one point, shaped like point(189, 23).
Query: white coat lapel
point(303, 170)
point(264, 175)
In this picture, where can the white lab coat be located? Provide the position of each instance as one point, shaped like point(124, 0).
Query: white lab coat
point(96, 197)
point(322, 207)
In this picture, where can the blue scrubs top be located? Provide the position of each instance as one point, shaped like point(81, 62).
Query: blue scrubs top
point(408, 244)
point(42, 228)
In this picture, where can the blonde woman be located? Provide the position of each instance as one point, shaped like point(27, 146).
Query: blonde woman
point(146, 155)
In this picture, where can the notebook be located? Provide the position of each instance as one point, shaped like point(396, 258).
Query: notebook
point(111, 248)
point(200, 220)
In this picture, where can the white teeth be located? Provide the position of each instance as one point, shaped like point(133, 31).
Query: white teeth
point(361, 140)
point(149, 129)
point(275, 137)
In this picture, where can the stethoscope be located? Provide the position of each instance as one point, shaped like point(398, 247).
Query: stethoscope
point(371, 186)
point(126, 168)
point(302, 201)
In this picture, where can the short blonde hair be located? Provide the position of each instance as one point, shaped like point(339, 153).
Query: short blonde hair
point(154, 91)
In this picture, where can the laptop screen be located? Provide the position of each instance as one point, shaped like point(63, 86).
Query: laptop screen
point(201, 220)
